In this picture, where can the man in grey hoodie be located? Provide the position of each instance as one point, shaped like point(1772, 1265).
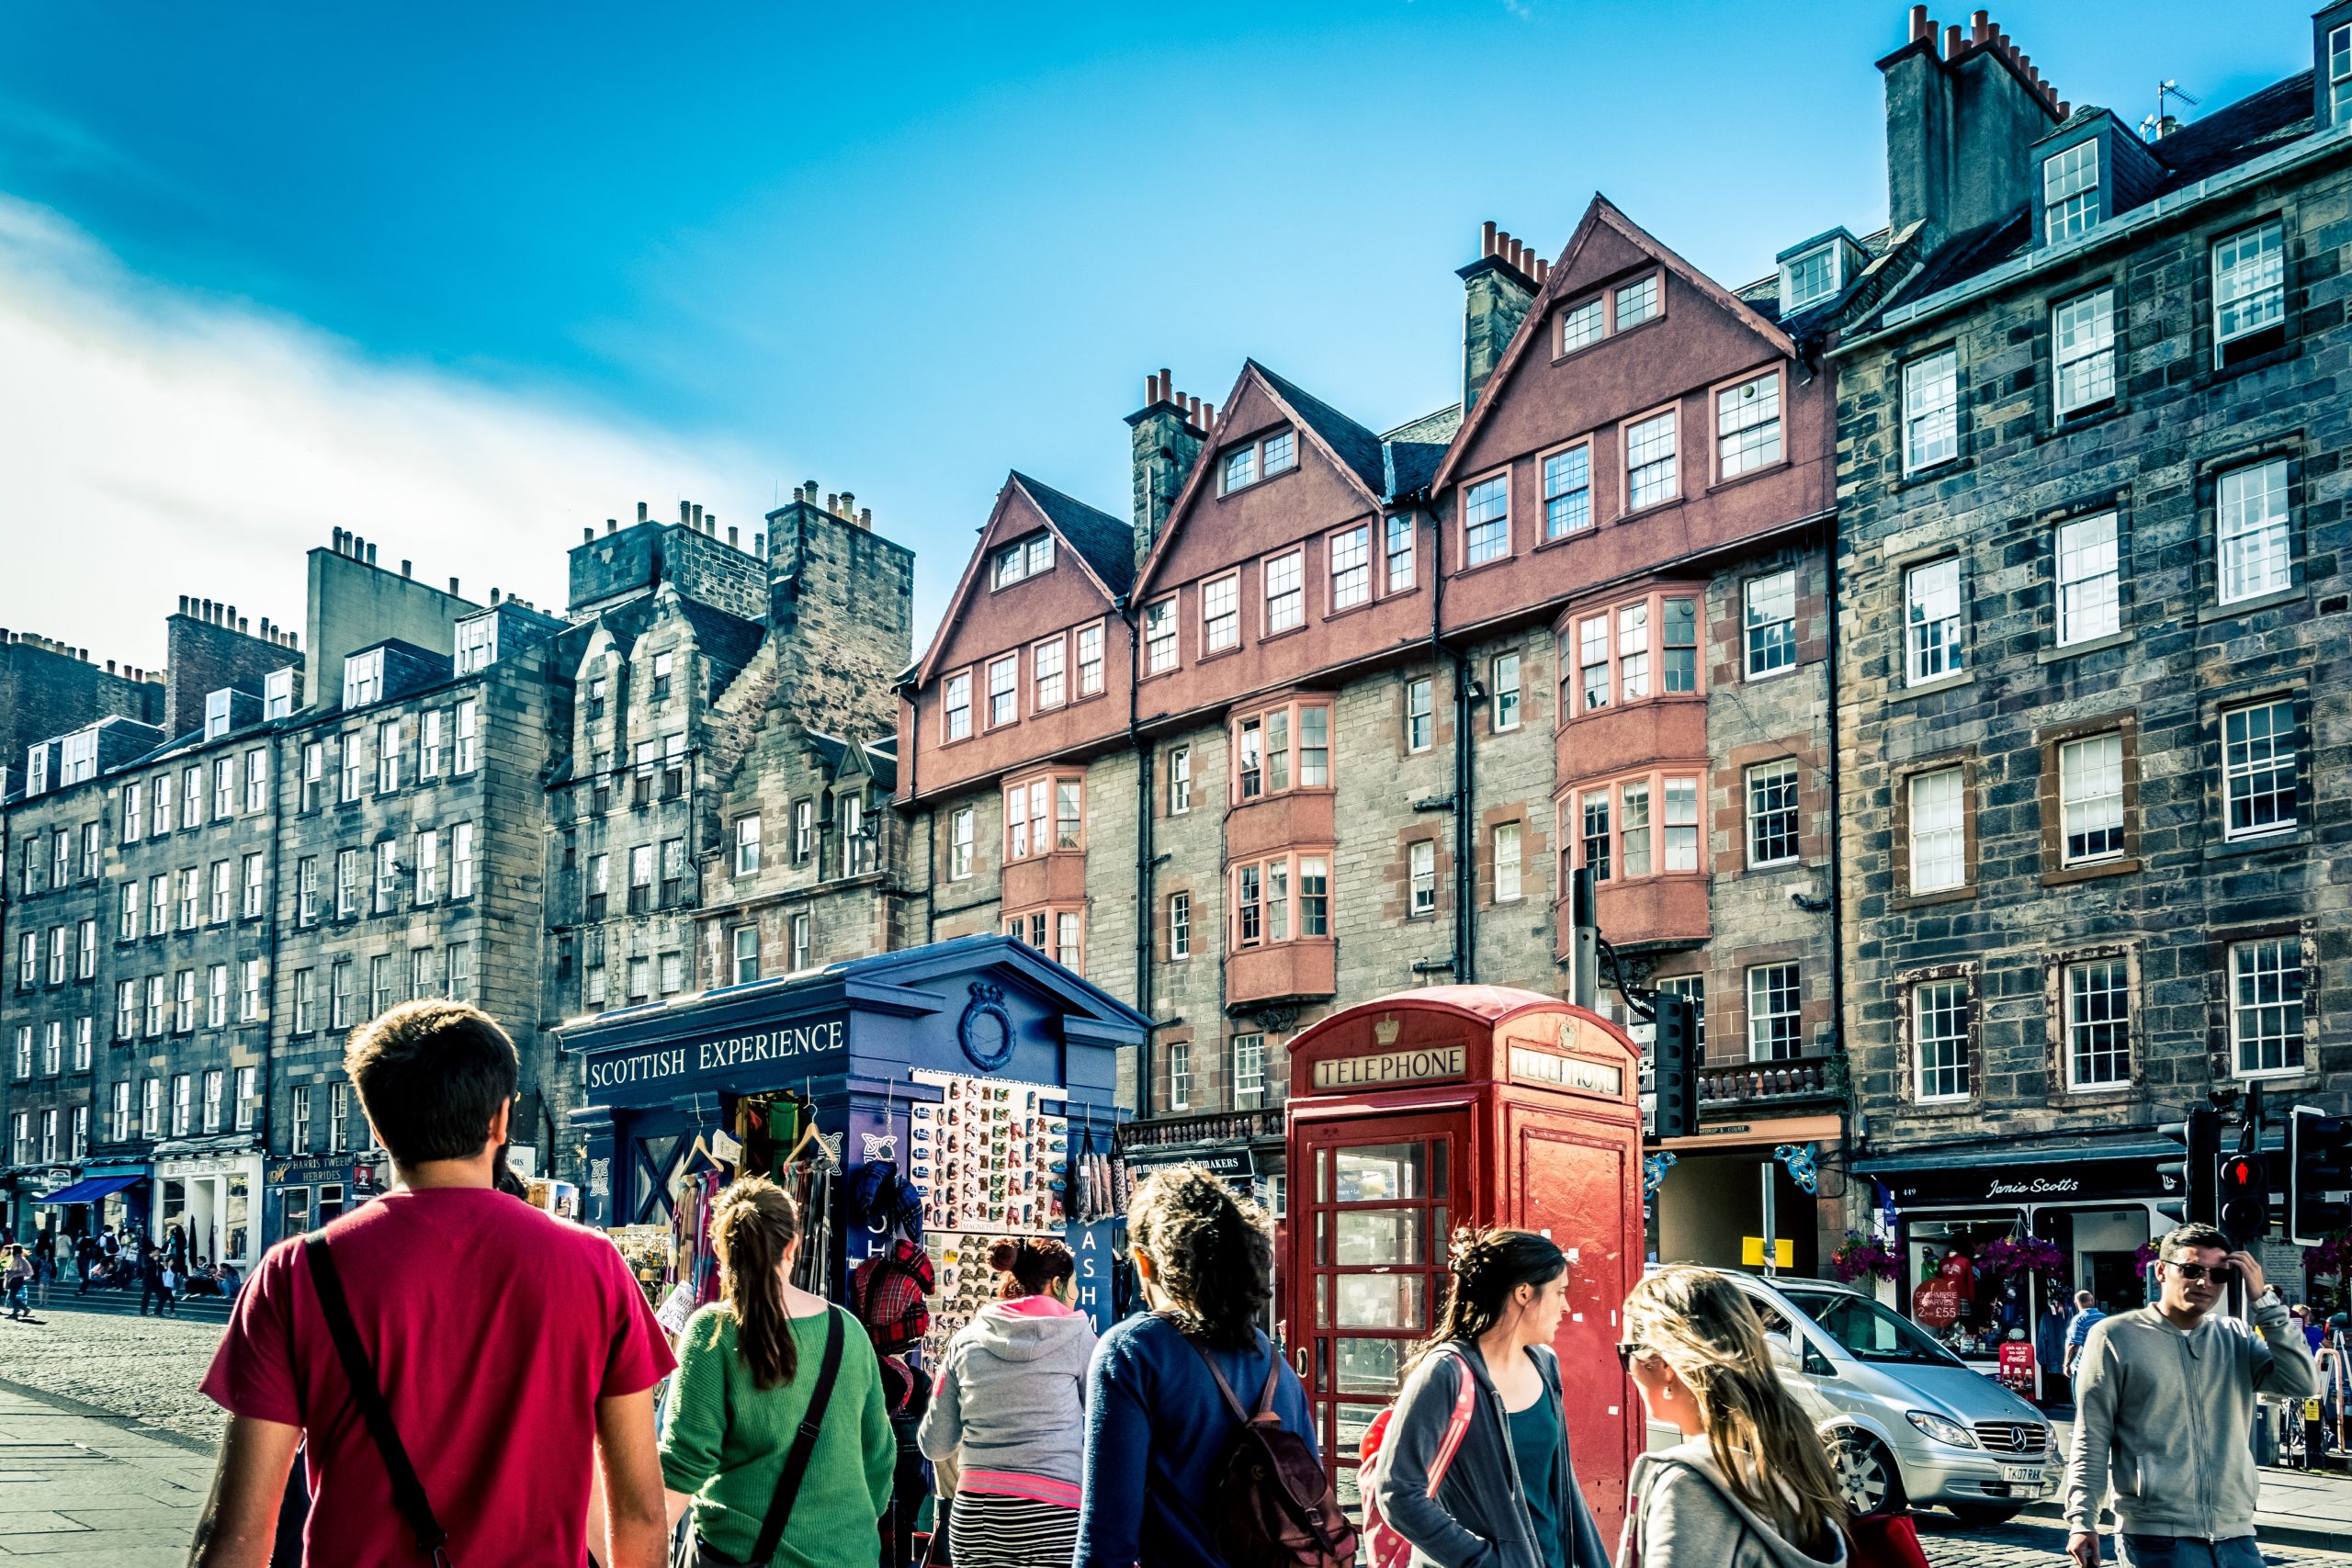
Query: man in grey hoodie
point(2163, 1400)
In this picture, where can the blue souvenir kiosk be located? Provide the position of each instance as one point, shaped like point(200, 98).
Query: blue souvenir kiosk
point(959, 1061)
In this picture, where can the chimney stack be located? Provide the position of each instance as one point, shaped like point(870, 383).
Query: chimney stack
point(1497, 289)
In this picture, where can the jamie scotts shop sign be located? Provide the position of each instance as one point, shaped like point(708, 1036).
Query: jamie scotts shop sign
point(796, 1046)
point(2051, 1182)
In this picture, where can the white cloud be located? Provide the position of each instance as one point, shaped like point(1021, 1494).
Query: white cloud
point(156, 442)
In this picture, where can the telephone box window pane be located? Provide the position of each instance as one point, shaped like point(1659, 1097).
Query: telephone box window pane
point(1382, 1173)
point(1368, 1366)
point(1372, 1237)
point(1352, 1421)
point(1380, 1301)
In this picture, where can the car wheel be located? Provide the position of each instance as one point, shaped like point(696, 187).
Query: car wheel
point(1866, 1473)
point(1985, 1516)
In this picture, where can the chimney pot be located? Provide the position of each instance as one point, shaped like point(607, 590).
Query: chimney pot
point(110, 666)
point(865, 517)
point(588, 536)
point(183, 603)
point(1980, 25)
point(640, 512)
point(760, 544)
point(697, 514)
point(453, 588)
point(612, 525)
point(2065, 109)
point(1920, 26)
point(1150, 388)
point(1168, 385)
point(1485, 239)
point(832, 501)
point(849, 504)
point(371, 555)
point(493, 594)
point(1951, 41)
point(731, 532)
point(293, 639)
point(245, 624)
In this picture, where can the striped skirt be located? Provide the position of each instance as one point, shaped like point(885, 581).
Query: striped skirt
point(990, 1531)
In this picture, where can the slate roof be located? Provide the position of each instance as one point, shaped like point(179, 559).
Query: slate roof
point(1415, 448)
point(1359, 448)
point(2236, 133)
point(880, 756)
point(1108, 544)
point(1763, 295)
point(728, 639)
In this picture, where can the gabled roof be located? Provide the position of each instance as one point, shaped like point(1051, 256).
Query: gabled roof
point(879, 759)
point(1086, 536)
point(1354, 451)
point(1560, 282)
point(1103, 541)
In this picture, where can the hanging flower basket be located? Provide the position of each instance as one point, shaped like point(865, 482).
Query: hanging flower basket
point(1860, 1255)
point(2012, 1256)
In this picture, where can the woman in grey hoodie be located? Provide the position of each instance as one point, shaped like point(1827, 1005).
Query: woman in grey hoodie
point(1750, 1485)
point(1010, 1397)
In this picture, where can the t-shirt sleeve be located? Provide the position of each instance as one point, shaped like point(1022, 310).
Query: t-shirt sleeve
point(639, 1356)
point(252, 1372)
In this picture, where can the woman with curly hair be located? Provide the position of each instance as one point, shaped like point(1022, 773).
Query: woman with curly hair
point(1508, 1498)
point(1157, 1426)
point(1010, 1407)
point(748, 1370)
point(1750, 1486)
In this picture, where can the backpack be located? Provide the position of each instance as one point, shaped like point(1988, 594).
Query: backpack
point(1276, 1508)
point(1382, 1547)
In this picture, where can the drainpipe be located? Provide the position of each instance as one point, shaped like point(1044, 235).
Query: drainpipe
point(1146, 901)
point(1857, 1126)
point(1464, 865)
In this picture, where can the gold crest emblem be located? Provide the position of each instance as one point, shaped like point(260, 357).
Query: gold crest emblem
point(1385, 1031)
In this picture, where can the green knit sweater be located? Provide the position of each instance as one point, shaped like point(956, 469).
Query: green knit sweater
point(724, 1441)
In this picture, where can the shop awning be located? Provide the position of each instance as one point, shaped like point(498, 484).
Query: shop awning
point(1976, 1155)
point(89, 1190)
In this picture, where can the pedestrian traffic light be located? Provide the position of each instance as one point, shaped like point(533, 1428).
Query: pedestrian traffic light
point(2192, 1177)
point(2319, 1165)
point(1676, 1096)
point(2245, 1191)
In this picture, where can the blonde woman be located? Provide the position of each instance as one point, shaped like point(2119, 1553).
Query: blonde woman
point(1750, 1485)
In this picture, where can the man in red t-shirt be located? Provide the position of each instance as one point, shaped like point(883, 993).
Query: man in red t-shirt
point(507, 1343)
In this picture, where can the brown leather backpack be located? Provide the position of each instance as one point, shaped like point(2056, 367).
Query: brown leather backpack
point(1274, 1506)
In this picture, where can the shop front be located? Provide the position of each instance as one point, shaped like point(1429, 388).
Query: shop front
point(108, 1195)
point(929, 1100)
point(303, 1194)
point(1721, 1192)
point(212, 1197)
point(1992, 1238)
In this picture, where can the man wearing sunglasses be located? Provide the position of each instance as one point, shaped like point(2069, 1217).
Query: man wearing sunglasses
point(2163, 1398)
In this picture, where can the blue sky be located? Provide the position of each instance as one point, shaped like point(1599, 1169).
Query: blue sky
point(467, 277)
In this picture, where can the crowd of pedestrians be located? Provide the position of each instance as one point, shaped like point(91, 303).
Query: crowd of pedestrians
point(465, 1379)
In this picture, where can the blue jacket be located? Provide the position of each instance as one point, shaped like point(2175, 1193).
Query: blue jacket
point(1157, 1433)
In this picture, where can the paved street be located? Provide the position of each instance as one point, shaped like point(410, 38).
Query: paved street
point(2033, 1542)
point(142, 1368)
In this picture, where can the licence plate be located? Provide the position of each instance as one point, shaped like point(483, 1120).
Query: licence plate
point(2028, 1473)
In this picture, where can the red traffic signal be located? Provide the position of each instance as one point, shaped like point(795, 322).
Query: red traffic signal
point(2245, 1197)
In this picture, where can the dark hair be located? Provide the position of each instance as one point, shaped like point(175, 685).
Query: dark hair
point(1211, 1252)
point(1487, 1266)
point(431, 1075)
point(1029, 1265)
point(2193, 1233)
point(753, 1221)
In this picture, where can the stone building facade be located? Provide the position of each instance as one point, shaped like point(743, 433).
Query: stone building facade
point(2093, 648)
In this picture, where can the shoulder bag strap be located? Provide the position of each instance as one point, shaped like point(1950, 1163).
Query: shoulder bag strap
point(408, 1492)
point(804, 1446)
point(1223, 1387)
point(1458, 1425)
point(1274, 1378)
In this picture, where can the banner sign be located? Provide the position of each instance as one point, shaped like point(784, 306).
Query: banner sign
point(795, 1046)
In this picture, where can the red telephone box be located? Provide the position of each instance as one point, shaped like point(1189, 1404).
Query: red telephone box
point(1461, 1105)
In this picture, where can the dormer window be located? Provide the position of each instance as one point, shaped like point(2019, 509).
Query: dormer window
point(1022, 558)
point(1262, 458)
point(2070, 191)
point(277, 694)
point(2339, 73)
point(363, 680)
point(80, 757)
point(1808, 278)
point(215, 714)
point(477, 643)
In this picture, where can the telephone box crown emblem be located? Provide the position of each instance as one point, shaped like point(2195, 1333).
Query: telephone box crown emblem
point(1385, 1031)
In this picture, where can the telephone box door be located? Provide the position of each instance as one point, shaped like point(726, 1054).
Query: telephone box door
point(1381, 1195)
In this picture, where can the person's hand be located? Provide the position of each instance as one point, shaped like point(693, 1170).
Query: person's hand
point(2082, 1547)
point(2251, 1271)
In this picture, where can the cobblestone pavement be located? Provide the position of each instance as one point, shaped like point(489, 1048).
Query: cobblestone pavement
point(145, 1367)
point(2041, 1543)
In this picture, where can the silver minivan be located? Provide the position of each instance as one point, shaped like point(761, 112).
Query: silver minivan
point(1906, 1421)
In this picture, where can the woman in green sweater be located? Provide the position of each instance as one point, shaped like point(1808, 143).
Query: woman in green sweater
point(748, 1368)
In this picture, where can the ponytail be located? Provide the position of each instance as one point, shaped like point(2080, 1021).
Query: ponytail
point(753, 1223)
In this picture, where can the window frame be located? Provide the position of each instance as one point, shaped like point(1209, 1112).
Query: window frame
point(1754, 1017)
point(1654, 824)
point(1508, 547)
point(1953, 650)
point(1079, 686)
point(1272, 889)
point(1918, 458)
point(1421, 879)
point(963, 842)
point(2076, 210)
point(2069, 1026)
point(1915, 996)
point(1180, 780)
point(2215, 278)
point(1582, 445)
point(1778, 375)
point(1514, 834)
point(1008, 661)
point(1833, 251)
point(948, 707)
point(2229, 773)
point(1500, 695)
point(1671, 413)
point(1291, 558)
point(2102, 337)
point(1227, 581)
point(1180, 925)
point(1334, 545)
point(1793, 811)
point(2235, 1008)
point(2226, 544)
point(1390, 555)
point(1166, 608)
point(1058, 644)
point(1749, 625)
point(1021, 552)
point(1962, 829)
point(2060, 747)
point(1040, 816)
point(1294, 749)
point(1573, 667)
point(2068, 588)
point(1254, 448)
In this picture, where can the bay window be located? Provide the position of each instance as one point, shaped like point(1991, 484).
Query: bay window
point(1634, 651)
point(1279, 897)
point(1274, 748)
point(1631, 827)
point(1043, 815)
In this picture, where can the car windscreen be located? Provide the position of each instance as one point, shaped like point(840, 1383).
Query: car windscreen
point(1868, 1331)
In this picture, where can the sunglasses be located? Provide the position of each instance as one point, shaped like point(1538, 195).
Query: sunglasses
point(1627, 1349)
point(2220, 1274)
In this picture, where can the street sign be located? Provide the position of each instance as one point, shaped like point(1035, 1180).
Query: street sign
point(1751, 1252)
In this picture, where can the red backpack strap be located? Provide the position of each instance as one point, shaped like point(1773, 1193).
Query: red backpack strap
point(1465, 1400)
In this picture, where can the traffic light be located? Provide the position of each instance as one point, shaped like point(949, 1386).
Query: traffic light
point(2244, 1189)
point(2194, 1174)
point(1676, 1096)
point(2319, 1163)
